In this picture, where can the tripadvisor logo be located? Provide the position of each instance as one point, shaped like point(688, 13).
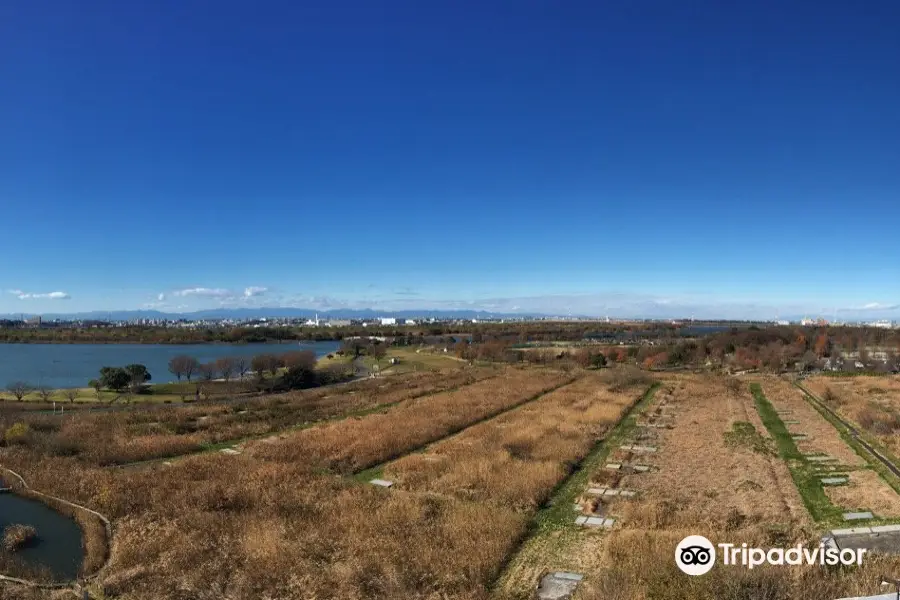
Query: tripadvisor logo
point(696, 555)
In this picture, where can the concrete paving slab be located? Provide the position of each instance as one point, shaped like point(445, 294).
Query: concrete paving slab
point(596, 491)
point(637, 448)
point(558, 586)
point(640, 468)
point(834, 480)
point(229, 451)
point(858, 516)
point(611, 493)
point(851, 531)
point(799, 436)
point(886, 529)
point(791, 422)
point(879, 597)
point(819, 458)
point(627, 493)
point(613, 466)
point(882, 543)
point(382, 482)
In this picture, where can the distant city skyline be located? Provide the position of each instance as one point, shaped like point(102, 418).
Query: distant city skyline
point(718, 159)
point(590, 305)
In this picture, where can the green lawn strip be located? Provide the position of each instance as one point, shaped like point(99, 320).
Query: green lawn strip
point(217, 446)
point(377, 471)
point(876, 465)
point(806, 476)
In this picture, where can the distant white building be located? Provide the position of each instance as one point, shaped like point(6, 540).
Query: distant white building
point(388, 321)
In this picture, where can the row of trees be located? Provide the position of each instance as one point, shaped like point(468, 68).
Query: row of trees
point(20, 389)
point(229, 367)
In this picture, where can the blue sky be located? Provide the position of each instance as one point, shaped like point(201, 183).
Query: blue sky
point(579, 156)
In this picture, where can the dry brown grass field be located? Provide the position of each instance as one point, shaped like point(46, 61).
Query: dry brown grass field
point(873, 403)
point(258, 526)
point(152, 432)
point(516, 459)
point(354, 444)
point(715, 473)
point(270, 523)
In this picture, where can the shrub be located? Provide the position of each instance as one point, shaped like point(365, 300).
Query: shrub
point(17, 433)
point(626, 377)
point(16, 536)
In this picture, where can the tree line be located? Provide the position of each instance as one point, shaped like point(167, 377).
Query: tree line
point(520, 331)
point(773, 349)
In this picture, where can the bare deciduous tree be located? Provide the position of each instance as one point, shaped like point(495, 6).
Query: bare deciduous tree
point(207, 371)
point(70, 394)
point(19, 389)
point(242, 365)
point(44, 392)
point(225, 366)
point(183, 366)
point(305, 359)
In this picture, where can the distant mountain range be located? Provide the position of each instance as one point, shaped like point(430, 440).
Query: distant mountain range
point(273, 312)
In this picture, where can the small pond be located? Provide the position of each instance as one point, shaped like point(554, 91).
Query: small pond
point(58, 546)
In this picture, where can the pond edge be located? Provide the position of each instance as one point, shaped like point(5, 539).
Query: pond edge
point(27, 492)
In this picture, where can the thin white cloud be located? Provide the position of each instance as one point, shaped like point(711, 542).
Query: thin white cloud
point(203, 292)
point(40, 296)
point(880, 306)
point(161, 297)
point(253, 290)
point(871, 306)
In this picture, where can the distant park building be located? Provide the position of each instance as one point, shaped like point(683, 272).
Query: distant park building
point(33, 321)
point(388, 321)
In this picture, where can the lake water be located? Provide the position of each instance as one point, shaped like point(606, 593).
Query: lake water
point(73, 365)
point(58, 546)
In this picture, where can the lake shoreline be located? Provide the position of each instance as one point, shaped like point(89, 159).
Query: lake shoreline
point(68, 366)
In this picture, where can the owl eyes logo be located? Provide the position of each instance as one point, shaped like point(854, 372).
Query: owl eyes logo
point(695, 555)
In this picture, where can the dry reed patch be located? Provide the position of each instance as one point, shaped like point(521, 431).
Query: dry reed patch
point(355, 444)
point(866, 490)
point(823, 437)
point(518, 458)
point(16, 536)
point(241, 528)
point(699, 471)
point(873, 403)
point(640, 566)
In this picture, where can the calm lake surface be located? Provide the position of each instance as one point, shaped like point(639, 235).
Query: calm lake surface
point(73, 365)
point(59, 539)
